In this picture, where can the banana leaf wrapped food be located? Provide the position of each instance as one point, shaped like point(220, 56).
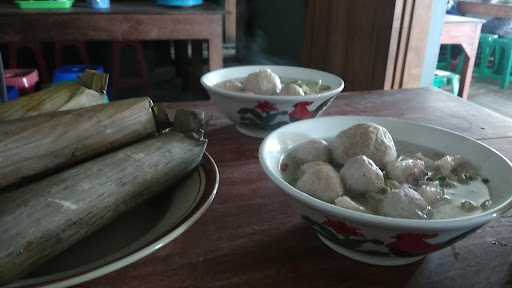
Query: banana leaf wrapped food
point(42, 219)
point(88, 91)
point(43, 144)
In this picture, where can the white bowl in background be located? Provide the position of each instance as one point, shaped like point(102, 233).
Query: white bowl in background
point(257, 115)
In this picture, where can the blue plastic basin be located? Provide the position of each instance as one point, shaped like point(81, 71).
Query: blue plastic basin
point(179, 3)
point(73, 72)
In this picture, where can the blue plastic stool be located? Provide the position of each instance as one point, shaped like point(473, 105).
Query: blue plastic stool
point(71, 73)
point(12, 93)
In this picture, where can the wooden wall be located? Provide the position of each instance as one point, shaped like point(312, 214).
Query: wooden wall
point(370, 44)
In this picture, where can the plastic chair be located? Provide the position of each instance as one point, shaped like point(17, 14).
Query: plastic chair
point(444, 60)
point(485, 63)
point(504, 58)
point(446, 78)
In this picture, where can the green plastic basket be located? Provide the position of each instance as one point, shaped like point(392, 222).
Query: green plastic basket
point(45, 4)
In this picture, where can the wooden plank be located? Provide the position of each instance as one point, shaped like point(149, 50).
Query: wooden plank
point(394, 44)
point(425, 105)
point(318, 12)
point(215, 51)
point(417, 43)
point(359, 51)
point(403, 39)
point(115, 27)
point(308, 33)
point(485, 9)
point(384, 41)
point(230, 23)
point(241, 20)
point(336, 50)
point(116, 7)
point(252, 235)
point(333, 40)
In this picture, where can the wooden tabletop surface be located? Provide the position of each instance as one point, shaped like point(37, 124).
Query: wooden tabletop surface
point(116, 7)
point(461, 19)
point(252, 237)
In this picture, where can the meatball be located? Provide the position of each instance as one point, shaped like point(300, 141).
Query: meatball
point(311, 166)
point(361, 176)
point(455, 168)
point(291, 90)
point(263, 82)
point(404, 203)
point(429, 163)
point(345, 202)
point(320, 180)
point(233, 85)
point(370, 140)
point(392, 184)
point(431, 192)
point(311, 150)
point(409, 171)
point(375, 199)
point(445, 165)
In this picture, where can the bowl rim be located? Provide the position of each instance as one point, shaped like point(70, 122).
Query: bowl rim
point(383, 221)
point(225, 93)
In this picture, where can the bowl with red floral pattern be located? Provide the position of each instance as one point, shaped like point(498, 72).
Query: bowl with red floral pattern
point(261, 98)
point(370, 237)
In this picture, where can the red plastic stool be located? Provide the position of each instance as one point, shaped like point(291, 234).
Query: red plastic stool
point(142, 68)
point(59, 49)
point(37, 49)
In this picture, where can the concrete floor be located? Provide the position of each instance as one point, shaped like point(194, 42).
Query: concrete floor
point(490, 95)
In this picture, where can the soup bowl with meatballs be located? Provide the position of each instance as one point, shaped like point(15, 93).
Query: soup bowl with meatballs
point(386, 191)
point(260, 99)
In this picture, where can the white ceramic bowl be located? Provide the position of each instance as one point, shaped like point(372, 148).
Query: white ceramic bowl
point(257, 115)
point(377, 239)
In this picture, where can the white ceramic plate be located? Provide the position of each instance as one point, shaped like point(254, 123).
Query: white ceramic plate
point(132, 236)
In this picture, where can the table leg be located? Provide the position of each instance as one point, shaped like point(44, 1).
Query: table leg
point(215, 52)
point(180, 61)
point(196, 70)
point(470, 49)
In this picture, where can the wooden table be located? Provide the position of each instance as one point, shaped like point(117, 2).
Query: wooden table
point(485, 9)
point(132, 21)
point(252, 236)
point(464, 31)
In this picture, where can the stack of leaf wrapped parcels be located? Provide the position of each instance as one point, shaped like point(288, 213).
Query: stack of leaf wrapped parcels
point(70, 163)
